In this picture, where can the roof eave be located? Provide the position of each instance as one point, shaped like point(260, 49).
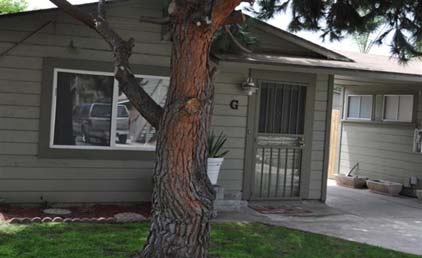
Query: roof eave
point(333, 70)
point(330, 54)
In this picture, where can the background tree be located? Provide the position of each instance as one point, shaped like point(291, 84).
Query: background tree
point(183, 196)
point(402, 20)
point(12, 6)
point(368, 39)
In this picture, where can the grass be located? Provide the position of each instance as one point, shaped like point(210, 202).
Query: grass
point(234, 240)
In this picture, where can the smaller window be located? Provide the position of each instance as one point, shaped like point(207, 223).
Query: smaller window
point(398, 108)
point(360, 107)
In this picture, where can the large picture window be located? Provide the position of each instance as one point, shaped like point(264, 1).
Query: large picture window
point(398, 108)
point(360, 107)
point(90, 112)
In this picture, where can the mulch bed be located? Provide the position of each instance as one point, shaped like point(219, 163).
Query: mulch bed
point(91, 212)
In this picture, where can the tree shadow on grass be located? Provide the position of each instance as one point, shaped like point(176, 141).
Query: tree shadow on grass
point(57, 240)
point(228, 240)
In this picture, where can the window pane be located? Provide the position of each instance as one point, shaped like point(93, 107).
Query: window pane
point(132, 130)
point(366, 107)
point(391, 107)
point(406, 108)
point(354, 106)
point(83, 109)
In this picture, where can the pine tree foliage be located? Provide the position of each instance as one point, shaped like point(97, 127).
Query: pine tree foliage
point(12, 6)
point(401, 20)
point(223, 43)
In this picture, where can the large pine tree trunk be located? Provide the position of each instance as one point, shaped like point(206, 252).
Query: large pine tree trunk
point(183, 196)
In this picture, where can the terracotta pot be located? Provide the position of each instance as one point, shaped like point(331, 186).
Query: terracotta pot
point(351, 181)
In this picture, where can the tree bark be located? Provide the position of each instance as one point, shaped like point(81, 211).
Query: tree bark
point(183, 195)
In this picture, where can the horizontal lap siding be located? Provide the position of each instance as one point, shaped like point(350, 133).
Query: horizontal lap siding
point(233, 123)
point(24, 177)
point(382, 151)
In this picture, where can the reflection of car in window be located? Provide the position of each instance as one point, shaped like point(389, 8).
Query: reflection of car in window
point(122, 125)
point(92, 123)
point(418, 141)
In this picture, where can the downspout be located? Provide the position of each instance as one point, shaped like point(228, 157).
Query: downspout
point(25, 38)
point(327, 138)
point(343, 109)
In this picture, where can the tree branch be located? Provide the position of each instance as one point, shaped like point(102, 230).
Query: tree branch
point(155, 20)
point(101, 9)
point(122, 50)
point(236, 17)
point(224, 9)
point(235, 41)
point(76, 13)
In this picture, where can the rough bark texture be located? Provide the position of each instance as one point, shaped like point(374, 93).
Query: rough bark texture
point(183, 196)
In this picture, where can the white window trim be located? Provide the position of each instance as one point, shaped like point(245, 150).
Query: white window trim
point(398, 111)
point(360, 106)
point(113, 145)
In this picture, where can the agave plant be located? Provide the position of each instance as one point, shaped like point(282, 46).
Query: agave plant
point(215, 145)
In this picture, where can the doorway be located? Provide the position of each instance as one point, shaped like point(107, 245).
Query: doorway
point(277, 141)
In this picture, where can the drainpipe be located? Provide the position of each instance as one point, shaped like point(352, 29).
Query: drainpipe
point(327, 137)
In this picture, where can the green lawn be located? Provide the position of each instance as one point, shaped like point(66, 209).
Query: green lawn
point(56, 240)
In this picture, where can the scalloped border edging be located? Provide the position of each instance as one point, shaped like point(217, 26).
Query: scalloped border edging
point(26, 220)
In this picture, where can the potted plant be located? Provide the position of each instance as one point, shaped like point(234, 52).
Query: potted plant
point(215, 155)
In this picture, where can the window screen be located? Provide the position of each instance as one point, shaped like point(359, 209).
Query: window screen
point(360, 107)
point(398, 108)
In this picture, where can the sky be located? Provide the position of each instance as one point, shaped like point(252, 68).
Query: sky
point(280, 21)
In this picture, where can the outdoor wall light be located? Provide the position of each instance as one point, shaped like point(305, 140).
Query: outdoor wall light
point(249, 85)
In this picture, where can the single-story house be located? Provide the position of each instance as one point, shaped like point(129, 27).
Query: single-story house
point(381, 127)
point(68, 135)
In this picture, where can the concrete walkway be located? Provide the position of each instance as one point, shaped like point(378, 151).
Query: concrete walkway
point(356, 215)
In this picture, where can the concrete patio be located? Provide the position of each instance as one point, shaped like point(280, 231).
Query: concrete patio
point(356, 215)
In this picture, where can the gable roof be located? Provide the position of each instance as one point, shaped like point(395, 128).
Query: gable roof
point(287, 38)
point(301, 42)
point(328, 60)
point(54, 9)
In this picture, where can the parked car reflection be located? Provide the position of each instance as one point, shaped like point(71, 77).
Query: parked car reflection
point(92, 124)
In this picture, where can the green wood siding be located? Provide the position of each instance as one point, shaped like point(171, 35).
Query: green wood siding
point(383, 150)
point(24, 177)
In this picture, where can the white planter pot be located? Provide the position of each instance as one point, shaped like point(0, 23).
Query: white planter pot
point(386, 187)
point(214, 165)
point(419, 194)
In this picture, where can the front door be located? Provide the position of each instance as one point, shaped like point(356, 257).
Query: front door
point(278, 141)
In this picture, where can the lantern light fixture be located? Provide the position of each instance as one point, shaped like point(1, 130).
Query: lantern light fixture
point(249, 85)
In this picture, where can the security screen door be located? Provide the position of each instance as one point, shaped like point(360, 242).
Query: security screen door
point(279, 141)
